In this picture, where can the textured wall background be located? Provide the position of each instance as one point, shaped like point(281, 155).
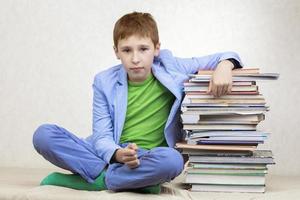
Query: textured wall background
point(50, 51)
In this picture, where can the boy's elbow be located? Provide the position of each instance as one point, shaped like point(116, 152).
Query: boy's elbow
point(234, 57)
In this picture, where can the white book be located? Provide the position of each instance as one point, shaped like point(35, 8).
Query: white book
point(245, 77)
point(219, 127)
point(234, 138)
point(190, 118)
point(219, 110)
point(199, 134)
point(228, 188)
point(225, 171)
point(225, 179)
point(258, 157)
point(194, 118)
point(228, 166)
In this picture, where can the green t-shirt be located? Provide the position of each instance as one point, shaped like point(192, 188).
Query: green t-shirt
point(148, 108)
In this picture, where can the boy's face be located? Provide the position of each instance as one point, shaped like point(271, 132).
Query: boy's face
point(136, 54)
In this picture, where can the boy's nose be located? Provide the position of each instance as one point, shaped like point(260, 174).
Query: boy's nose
point(135, 58)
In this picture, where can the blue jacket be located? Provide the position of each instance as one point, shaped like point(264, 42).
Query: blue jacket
point(110, 97)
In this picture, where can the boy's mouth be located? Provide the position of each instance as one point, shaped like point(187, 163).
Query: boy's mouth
point(136, 69)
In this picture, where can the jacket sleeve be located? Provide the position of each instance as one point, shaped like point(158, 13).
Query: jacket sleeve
point(209, 62)
point(103, 140)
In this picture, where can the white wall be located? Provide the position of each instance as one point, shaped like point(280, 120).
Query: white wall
point(50, 51)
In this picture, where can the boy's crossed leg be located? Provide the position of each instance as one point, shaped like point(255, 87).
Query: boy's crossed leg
point(67, 151)
point(159, 165)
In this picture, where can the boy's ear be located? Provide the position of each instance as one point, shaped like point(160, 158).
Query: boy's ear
point(157, 49)
point(116, 52)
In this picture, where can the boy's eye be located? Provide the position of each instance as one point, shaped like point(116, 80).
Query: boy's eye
point(126, 50)
point(144, 49)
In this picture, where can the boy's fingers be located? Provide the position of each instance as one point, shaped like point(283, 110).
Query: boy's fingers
point(214, 90)
point(229, 88)
point(218, 91)
point(133, 164)
point(223, 89)
point(226, 89)
point(132, 146)
point(129, 152)
point(209, 86)
point(126, 159)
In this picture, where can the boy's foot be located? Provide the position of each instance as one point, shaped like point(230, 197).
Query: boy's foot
point(75, 181)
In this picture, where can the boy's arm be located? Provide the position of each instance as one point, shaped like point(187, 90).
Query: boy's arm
point(103, 140)
point(209, 62)
point(221, 81)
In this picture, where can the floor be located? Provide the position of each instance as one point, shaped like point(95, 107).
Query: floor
point(20, 183)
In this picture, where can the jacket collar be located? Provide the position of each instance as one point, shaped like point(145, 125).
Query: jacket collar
point(122, 75)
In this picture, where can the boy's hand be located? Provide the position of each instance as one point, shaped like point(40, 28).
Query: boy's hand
point(221, 80)
point(128, 156)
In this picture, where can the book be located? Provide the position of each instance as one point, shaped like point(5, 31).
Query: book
point(236, 71)
point(258, 157)
point(223, 105)
point(235, 83)
point(249, 179)
point(215, 147)
point(250, 88)
point(207, 134)
point(222, 122)
point(219, 126)
point(228, 188)
point(226, 142)
point(226, 171)
point(250, 138)
point(232, 117)
point(233, 138)
point(228, 166)
point(229, 93)
point(238, 77)
point(194, 118)
point(202, 152)
point(209, 96)
point(223, 101)
point(223, 110)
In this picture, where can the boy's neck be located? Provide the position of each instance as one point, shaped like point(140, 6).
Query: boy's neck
point(140, 80)
point(137, 82)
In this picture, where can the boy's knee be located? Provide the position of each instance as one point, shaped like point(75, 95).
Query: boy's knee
point(42, 135)
point(171, 162)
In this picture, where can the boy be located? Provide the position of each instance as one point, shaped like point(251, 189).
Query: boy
point(136, 109)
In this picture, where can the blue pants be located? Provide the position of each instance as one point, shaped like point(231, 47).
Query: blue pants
point(69, 152)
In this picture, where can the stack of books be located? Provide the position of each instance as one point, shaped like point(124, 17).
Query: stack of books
point(222, 137)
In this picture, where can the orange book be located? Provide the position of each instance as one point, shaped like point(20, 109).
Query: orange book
point(231, 93)
point(243, 71)
point(215, 147)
